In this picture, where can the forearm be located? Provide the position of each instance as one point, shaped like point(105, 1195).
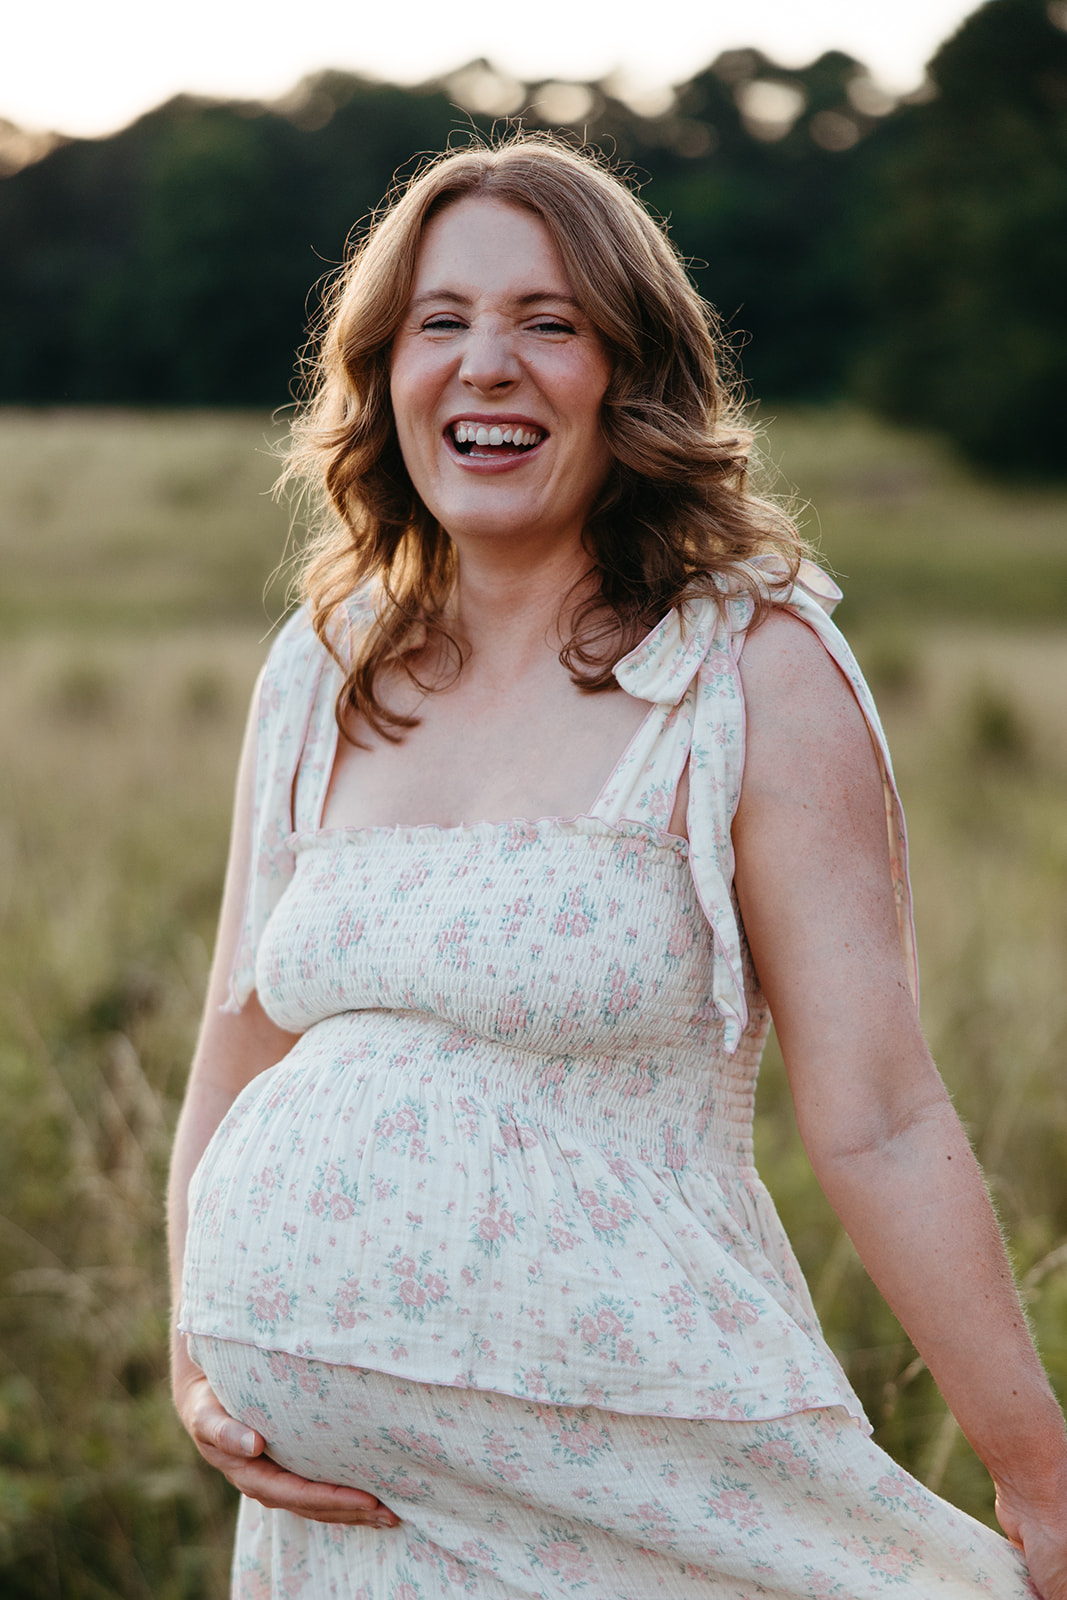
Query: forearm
point(917, 1211)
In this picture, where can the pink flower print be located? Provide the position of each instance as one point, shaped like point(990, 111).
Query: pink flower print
point(575, 916)
point(569, 1020)
point(268, 1303)
point(604, 1327)
point(562, 1237)
point(417, 1287)
point(346, 1307)
point(735, 1505)
point(517, 1138)
point(608, 1322)
point(519, 834)
point(406, 1591)
point(333, 1196)
point(454, 1571)
point(569, 1561)
point(412, 1293)
point(504, 1458)
point(624, 993)
point(607, 1215)
point(350, 930)
point(680, 1305)
point(735, 1316)
point(412, 877)
point(403, 1126)
point(452, 944)
point(655, 1518)
point(514, 917)
point(585, 1442)
point(681, 939)
point(493, 1226)
point(641, 1080)
point(891, 1558)
point(781, 1453)
point(512, 1014)
point(676, 1153)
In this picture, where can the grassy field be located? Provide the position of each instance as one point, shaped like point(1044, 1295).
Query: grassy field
point(135, 552)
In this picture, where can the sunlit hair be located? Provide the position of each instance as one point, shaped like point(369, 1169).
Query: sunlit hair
point(674, 510)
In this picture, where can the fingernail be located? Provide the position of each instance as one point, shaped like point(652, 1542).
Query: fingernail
point(248, 1443)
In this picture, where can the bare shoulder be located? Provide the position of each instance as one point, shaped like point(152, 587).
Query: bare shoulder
point(794, 688)
point(803, 719)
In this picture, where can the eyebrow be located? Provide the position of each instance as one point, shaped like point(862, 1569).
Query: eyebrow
point(453, 297)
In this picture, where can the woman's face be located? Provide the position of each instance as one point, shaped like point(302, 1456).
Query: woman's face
point(497, 380)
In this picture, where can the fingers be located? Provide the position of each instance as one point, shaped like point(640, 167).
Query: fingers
point(264, 1480)
point(238, 1452)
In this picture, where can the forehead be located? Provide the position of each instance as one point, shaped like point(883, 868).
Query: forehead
point(477, 246)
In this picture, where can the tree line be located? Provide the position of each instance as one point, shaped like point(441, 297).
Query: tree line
point(912, 256)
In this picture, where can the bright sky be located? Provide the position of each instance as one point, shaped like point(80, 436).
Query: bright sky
point(89, 68)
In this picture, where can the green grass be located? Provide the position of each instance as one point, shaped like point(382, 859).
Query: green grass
point(910, 532)
point(135, 550)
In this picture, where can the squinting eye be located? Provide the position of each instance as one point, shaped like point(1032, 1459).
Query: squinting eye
point(441, 324)
point(552, 327)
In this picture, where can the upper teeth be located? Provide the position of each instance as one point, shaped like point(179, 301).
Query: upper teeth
point(478, 433)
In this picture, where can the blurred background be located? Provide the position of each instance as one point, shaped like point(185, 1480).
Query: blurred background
point(890, 261)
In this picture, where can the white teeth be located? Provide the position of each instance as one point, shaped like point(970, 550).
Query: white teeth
point(479, 433)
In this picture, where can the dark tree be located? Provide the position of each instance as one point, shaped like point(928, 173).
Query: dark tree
point(966, 245)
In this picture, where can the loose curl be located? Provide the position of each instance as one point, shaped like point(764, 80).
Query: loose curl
point(673, 515)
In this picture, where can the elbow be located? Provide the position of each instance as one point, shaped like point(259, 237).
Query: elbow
point(884, 1135)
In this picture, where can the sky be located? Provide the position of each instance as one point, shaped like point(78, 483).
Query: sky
point(87, 69)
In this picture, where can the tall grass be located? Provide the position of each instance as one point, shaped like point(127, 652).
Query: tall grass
point(135, 549)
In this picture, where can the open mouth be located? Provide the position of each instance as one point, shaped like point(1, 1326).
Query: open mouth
point(483, 439)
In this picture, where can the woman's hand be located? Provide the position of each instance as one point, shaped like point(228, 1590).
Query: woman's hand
point(1039, 1530)
point(239, 1454)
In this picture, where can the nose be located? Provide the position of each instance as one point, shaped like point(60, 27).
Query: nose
point(489, 360)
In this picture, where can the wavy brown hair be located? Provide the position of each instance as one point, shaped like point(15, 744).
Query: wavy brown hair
point(675, 510)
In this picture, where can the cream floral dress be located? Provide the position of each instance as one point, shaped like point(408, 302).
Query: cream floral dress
point(504, 1180)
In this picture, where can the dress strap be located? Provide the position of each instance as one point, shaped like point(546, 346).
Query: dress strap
point(688, 668)
point(294, 700)
point(644, 783)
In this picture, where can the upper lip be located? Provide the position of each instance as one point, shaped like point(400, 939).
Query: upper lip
point(496, 419)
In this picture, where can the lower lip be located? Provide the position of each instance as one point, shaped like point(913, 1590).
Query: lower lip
point(490, 464)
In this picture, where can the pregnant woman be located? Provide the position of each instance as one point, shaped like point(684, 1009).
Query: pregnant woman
point(561, 783)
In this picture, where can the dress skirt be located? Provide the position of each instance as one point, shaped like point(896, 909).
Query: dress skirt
point(507, 1499)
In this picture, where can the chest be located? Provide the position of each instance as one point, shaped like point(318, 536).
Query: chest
point(484, 753)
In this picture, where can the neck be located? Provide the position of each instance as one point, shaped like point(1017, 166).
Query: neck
point(515, 604)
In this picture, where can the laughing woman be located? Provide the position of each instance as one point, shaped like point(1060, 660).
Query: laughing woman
point(561, 783)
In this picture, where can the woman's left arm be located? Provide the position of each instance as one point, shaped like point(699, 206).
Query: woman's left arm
point(813, 883)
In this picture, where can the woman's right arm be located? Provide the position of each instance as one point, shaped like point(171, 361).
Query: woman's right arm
point(231, 1050)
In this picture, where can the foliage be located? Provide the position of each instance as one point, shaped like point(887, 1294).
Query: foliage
point(134, 633)
point(966, 245)
point(914, 256)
